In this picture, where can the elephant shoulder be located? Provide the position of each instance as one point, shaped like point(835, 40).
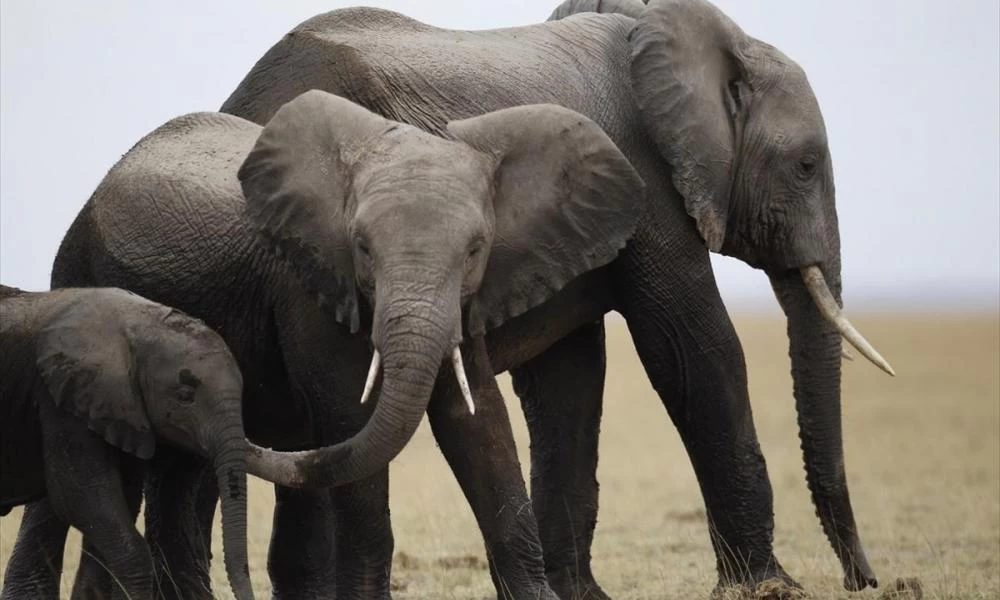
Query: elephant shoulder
point(333, 52)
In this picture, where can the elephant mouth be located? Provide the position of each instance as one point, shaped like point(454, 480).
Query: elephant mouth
point(815, 283)
point(457, 366)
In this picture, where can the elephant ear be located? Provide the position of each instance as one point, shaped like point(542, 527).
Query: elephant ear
point(689, 78)
point(565, 202)
point(85, 361)
point(297, 184)
point(629, 8)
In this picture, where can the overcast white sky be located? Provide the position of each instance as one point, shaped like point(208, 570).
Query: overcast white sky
point(909, 90)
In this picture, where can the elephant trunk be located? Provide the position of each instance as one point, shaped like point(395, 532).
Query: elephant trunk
point(415, 327)
point(230, 461)
point(815, 351)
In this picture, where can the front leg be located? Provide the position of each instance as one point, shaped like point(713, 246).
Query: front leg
point(339, 540)
point(691, 353)
point(86, 488)
point(364, 539)
point(562, 392)
point(93, 580)
point(480, 450)
point(181, 496)
point(300, 559)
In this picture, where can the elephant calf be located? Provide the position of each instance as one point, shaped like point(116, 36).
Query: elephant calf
point(92, 380)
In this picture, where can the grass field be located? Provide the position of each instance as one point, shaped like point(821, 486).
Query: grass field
point(923, 461)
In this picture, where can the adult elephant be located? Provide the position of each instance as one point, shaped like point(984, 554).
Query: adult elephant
point(729, 138)
point(410, 240)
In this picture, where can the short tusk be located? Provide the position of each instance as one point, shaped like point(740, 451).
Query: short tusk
point(372, 376)
point(846, 354)
point(456, 362)
point(812, 276)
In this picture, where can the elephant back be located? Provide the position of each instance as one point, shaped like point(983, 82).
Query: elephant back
point(170, 214)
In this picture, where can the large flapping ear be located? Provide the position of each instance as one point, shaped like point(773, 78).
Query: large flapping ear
point(688, 75)
point(86, 363)
point(297, 183)
point(629, 8)
point(565, 199)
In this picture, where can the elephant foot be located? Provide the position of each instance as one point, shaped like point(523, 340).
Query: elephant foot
point(766, 583)
point(571, 585)
point(771, 589)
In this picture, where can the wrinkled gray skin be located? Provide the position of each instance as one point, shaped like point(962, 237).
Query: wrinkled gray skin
point(412, 241)
point(92, 380)
point(728, 136)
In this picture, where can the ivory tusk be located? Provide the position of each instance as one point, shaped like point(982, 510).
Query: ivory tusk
point(812, 276)
point(372, 375)
point(846, 354)
point(456, 362)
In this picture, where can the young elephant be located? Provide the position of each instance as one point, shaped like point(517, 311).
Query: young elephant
point(92, 380)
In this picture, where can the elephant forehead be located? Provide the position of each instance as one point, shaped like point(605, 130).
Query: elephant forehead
point(438, 172)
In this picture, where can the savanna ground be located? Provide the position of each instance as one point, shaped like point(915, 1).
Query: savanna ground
point(923, 461)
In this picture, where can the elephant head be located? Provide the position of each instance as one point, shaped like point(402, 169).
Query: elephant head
point(137, 373)
point(434, 237)
point(742, 132)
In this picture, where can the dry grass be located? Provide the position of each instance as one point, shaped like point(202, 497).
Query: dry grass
point(922, 456)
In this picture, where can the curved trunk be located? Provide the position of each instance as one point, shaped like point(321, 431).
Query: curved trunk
point(414, 330)
point(815, 351)
point(230, 462)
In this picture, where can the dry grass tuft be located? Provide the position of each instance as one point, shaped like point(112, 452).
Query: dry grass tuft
point(904, 589)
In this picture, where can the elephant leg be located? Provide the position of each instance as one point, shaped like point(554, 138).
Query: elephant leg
point(363, 530)
point(87, 489)
point(115, 544)
point(181, 496)
point(691, 353)
point(340, 539)
point(301, 557)
point(480, 450)
point(93, 581)
point(363, 538)
point(561, 392)
point(36, 562)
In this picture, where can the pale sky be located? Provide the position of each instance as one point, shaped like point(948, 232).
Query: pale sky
point(910, 91)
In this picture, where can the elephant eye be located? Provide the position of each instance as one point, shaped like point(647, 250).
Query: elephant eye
point(185, 394)
point(470, 259)
point(807, 166)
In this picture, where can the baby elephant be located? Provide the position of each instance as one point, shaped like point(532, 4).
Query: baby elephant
point(92, 380)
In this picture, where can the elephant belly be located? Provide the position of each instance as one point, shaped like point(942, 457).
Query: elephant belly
point(585, 300)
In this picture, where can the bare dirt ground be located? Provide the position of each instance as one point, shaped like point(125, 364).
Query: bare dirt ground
point(923, 461)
